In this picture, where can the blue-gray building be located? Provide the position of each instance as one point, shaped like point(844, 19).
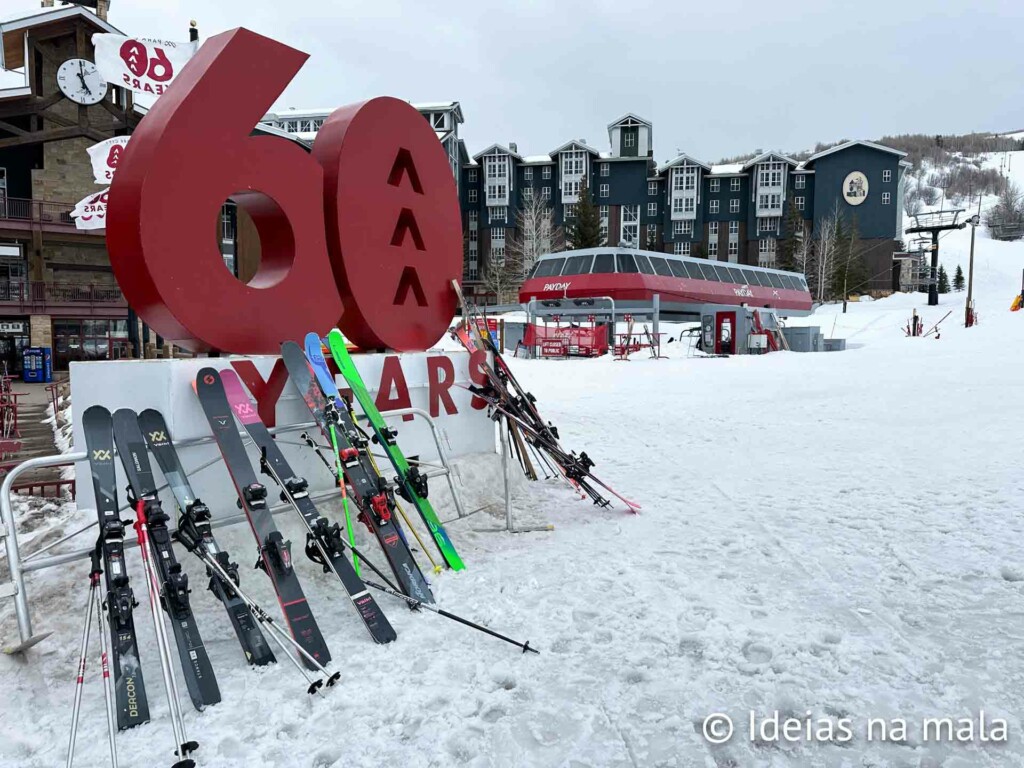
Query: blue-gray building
point(735, 212)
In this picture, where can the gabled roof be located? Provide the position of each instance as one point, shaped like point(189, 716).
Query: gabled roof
point(497, 149)
point(12, 47)
point(683, 159)
point(441, 106)
point(628, 116)
point(765, 155)
point(577, 143)
point(848, 144)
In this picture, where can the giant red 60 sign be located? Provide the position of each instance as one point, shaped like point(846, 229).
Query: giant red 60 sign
point(365, 233)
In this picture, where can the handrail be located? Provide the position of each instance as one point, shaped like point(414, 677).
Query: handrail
point(42, 292)
point(37, 211)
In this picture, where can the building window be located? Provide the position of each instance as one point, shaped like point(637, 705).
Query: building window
point(716, 185)
point(545, 192)
point(799, 202)
point(734, 184)
point(573, 163)
point(602, 231)
point(473, 219)
point(734, 250)
point(527, 194)
point(768, 224)
point(713, 229)
point(528, 174)
point(652, 187)
point(471, 176)
point(677, 227)
point(677, 248)
point(688, 227)
point(474, 235)
point(713, 249)
point(798, 181)
point(766, 253)
point(713, 206)
point(497, 193)
point(886, 175)
point(652, 209)
point(769, 174)
point(630, 231)
point(604, 169)
point(628, 139)
point(471, 195)
point(689, 205)
point(602, 211)
point(569, 211)
point(496, 166)
point(227, 217)
point(571, 187)
point(498, 213)
point(497, 234)
point(546, 172)
point(677, 205)
point(734, 229)
point(603, 190)
point(734, 205)
point(652, 232)
point(886, 198)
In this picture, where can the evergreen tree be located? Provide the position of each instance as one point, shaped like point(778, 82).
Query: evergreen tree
point(584, 230)
point(698, 251)
point(958, 279)
point(793, 231)
point(943, 280)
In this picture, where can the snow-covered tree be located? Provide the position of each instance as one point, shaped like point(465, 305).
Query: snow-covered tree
point(535, 234)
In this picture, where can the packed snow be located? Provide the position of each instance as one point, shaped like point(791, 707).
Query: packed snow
point(833, 537)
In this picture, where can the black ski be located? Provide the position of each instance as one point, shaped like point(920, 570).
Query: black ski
point(195, 662)
point(374, 496)
point(275, 553)
point(324, 538)
point(129, 688)
point(194, 521)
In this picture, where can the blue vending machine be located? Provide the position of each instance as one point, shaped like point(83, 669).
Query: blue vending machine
point(32, 364)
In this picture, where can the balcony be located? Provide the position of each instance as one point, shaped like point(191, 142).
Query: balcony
point(19, 213)
point(62, 299)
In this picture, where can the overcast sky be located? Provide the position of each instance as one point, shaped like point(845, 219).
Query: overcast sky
point(735, 76)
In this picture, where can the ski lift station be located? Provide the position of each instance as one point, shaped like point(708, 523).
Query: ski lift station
point(738, 306)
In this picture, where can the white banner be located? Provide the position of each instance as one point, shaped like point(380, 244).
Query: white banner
point(91, 212)
point(140, 64)
point(105, 156)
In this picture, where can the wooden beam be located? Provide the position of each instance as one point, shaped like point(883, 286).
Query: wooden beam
point(58, 119)
point(96, 134)
point(30, 105)
point(5, 126)
point(56, 134)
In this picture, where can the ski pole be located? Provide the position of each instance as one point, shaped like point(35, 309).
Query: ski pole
point(184, 746)
point(414, 603)
point(105, 666)
point(264, 618)
point(94, 580)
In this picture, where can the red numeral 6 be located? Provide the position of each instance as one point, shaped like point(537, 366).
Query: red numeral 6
point(378, 264)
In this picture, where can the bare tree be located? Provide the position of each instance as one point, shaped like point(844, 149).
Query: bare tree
point(535, 234)
point(826, 246)
point(504, 274)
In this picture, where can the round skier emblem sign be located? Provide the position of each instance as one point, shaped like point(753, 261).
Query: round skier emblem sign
point(855, 188)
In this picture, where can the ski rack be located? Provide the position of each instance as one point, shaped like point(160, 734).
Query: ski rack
point(18, 566)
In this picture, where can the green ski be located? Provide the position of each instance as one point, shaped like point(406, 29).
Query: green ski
point(410, 480)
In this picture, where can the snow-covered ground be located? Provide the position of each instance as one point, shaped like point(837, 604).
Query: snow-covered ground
point(830, 536)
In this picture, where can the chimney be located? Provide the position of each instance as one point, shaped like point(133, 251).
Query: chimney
point(47, 4)
point(514, 147)
point(102, 8)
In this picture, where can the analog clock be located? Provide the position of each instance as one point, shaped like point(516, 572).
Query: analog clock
point(80, 81)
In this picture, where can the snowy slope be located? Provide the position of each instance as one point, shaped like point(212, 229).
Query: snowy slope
point(833, 534)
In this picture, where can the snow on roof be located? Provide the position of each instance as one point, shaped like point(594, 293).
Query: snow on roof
point(289, 112)
point(578, 143)
point(765, 155)
point(848, 144)
point(537, 159)
point(627, 116)
point(32, 18)
point(497, 149)
point(682, 159)
point(727, 169)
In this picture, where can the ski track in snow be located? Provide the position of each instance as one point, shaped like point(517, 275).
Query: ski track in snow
point(837, 534)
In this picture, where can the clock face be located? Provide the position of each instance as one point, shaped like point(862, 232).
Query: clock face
point(80, 81)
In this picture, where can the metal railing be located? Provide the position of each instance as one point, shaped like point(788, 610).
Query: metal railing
point(27, 294)
point(36, 211)
point(19, 566)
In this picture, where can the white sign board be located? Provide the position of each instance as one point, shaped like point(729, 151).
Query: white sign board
point(434, 381)
point(105, 157)
point(140, 64)
point(855, 188)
